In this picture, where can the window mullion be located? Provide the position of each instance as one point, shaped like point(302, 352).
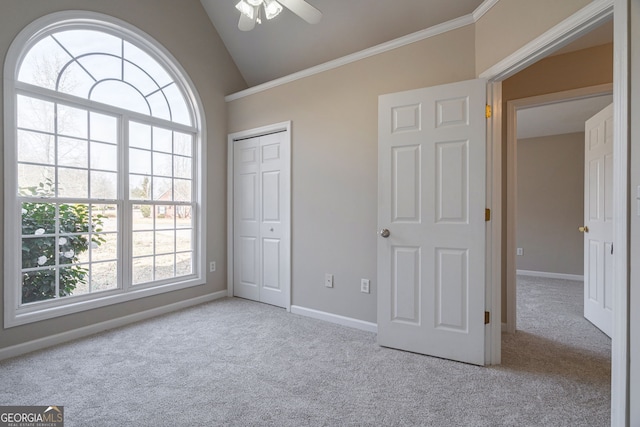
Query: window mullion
point(126, 219)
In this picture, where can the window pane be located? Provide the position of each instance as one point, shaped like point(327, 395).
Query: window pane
point(139, 161)
point(162, 188)
point(183, 217)
point(162, 140)
point(104, 247)
point(104, 218)
point(72, 121)
point(165, 241)
point(142, 219)
point(82, 244)
point(139, 79)
point(38, 251)
point(104, 276)
point(104, 156)
point(42, 64)
point(103, 128)
point(139, 187)
point(182, 143)
point(102, 67)
point(184, 264)
point(121, 95)
point(72, 152)
point(144, 61)
point(182, 167)
point(142, 243)
point(73, 218)
point(73, 183)
point(75, 81)
point(74, 280)
point(35, 148)
point(35, 114)
point(183, 240)
point(30, 179)
point(159, 106)
point(79, 42)
point(179, 110)
point(38, 285)
point(162, 164)
point(164, 216)
point(38, 218)
point(104, 185)
point(164, 268)
point(182, 190)
point(139, 135)
point(142, 270)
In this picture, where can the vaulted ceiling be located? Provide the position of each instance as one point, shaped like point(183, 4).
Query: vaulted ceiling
point(287, 44)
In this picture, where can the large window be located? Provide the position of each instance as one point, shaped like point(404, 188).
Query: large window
point(103, 170)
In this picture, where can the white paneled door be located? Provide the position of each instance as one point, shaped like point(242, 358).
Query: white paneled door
point(598, 217)
point(431, 217)
point(261, 200)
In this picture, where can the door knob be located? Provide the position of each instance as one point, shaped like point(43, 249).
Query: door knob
point(583, 229)
point(385, 233)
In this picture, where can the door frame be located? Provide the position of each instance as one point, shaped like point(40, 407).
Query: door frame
point(512, 177)
point(563, 33)
point(231, 139)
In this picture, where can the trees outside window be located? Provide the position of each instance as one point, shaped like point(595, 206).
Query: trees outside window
point(105, 171)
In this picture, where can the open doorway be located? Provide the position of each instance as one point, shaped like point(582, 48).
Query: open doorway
point(548, 190)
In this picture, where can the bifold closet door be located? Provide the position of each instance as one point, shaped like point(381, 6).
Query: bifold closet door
point(261, 219)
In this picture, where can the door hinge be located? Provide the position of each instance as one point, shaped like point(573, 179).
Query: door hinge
point(487, 214)
point(487, 111)
point(487, 317)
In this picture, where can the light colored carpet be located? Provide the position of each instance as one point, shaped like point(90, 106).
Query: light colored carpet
point(239, 363)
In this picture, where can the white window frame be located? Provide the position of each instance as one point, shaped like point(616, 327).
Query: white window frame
point(14, 314)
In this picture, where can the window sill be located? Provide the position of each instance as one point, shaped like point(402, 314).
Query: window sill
point(36, 313)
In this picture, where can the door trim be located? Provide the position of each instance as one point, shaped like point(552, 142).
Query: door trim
point(566, 31)
point(512, 176)
point(231, 138)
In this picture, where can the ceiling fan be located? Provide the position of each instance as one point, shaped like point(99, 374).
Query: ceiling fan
point(252, 11)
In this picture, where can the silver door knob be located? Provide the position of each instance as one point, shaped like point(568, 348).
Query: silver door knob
point(385, 233)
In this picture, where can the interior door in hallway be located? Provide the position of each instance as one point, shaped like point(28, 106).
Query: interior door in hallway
point(598, 220)
point(431, 217)
point(261, 210)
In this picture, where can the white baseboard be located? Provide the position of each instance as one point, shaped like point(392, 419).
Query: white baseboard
point(39, 344)
point(550, 275)
point(335, 318)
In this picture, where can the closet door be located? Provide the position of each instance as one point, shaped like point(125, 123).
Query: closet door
point(261, 219)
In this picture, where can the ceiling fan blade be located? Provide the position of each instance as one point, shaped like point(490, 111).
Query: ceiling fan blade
point(303, 9)
point(246, 23)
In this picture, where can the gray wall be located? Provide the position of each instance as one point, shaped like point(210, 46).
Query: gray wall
point(335, 161)
point(551, 203)
point(185, 30)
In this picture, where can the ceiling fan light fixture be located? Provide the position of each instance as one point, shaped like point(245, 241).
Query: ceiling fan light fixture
point(272, 8)
point(246, 9)
point(254, 2)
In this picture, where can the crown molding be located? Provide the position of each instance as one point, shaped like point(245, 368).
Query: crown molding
point(482, 9)
point(375, 50)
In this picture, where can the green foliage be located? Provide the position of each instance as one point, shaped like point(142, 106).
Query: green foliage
point(39, 218)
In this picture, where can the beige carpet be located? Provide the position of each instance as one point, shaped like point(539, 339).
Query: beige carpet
point(238, 363)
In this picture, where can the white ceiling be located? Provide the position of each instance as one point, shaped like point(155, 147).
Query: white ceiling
point(559, 118)
point(288, 44)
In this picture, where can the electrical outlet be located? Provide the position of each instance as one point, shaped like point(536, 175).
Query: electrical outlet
point(519, 251)
point(364, 286)
point(212, 266)
point(328, 280)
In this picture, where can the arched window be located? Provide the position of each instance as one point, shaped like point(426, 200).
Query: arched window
point(103, 168)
